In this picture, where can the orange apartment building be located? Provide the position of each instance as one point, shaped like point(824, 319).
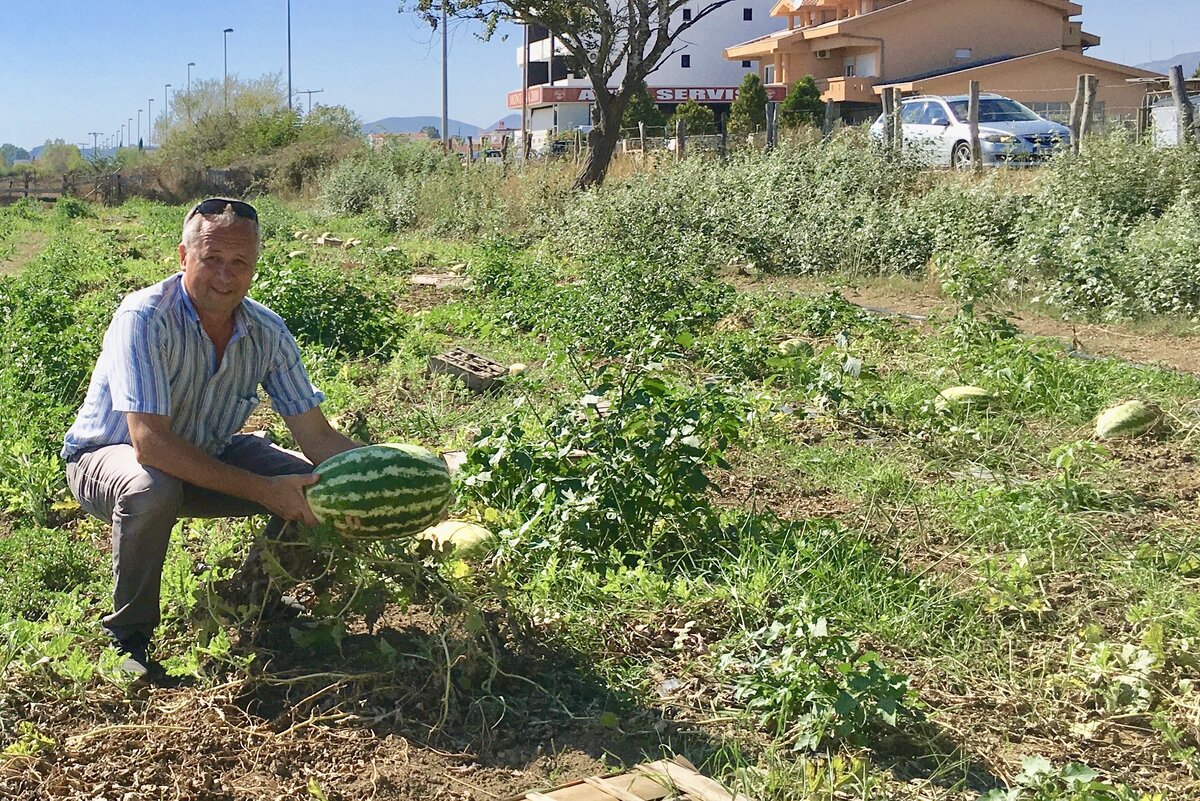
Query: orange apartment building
point(1029, 50)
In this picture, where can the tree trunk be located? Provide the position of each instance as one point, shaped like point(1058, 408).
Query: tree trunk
point(599, 157)
point(604, 141)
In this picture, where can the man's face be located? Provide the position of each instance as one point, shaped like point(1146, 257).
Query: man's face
point(219, 267)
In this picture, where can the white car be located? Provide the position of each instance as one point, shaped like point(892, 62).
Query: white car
point(936, 132)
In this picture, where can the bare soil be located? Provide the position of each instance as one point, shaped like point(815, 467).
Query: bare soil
point(26, 247)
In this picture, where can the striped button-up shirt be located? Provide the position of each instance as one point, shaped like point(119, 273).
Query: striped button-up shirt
point(157, 359)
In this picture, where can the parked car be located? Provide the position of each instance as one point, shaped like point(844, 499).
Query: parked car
point(1010, 134)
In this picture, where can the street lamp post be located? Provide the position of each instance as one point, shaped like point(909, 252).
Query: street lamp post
point(139, 129)
point(226, 33)
point(149, 122)
point(189, 91)
point(166, 104)
point(129, 130)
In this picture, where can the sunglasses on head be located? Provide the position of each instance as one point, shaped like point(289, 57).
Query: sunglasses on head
point(217, 205)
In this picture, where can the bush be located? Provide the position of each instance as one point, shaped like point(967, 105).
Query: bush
point(40, 564)
point(327, 306)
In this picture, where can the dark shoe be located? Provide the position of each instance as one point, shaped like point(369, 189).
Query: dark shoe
point(137, 664)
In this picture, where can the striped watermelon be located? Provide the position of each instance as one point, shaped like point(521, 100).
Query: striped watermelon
point(1128, 420)
point(381, 491)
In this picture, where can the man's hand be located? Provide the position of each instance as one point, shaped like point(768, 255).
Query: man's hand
point(285, 497)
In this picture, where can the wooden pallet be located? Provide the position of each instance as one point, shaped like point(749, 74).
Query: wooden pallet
point(664, 780)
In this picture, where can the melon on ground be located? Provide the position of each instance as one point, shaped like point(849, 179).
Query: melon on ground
point(464, 539)
point(964, 397)
point(1127, 420)
point(391, 491)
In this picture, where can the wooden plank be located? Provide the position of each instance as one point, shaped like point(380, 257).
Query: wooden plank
point(612, 789)
point(676, 776)
point(645, 788)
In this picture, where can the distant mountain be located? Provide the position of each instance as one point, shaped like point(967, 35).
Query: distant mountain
point(415, 124)
point(1189, 61)
point(510, 122)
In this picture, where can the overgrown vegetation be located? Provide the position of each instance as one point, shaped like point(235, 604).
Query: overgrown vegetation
point(732, 521)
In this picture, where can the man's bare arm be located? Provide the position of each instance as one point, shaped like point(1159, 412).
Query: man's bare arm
point(156, 445)
point(316, 437)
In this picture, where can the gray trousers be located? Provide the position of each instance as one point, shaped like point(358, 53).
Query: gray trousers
point(143, 505)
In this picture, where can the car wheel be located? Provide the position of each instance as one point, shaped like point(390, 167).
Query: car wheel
point(960, 158)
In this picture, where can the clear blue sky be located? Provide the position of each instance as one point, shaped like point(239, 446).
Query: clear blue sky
point(68, 67)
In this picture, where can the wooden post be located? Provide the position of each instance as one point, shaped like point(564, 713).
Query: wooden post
point(471, 149)
point(680, 139)
point(26, 193)
point(830, 119)
point(1090, 84)
point(897, 119)
point(578, 144)
point(973, 122)
point(1183, 105)
point(889, 120)
point(504, 148)
point(771, 126)
point(1077, 112)
point(724, 138)
point(642, 138)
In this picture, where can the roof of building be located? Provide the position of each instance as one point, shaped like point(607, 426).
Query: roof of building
point(849, 23)
point(1069, 55)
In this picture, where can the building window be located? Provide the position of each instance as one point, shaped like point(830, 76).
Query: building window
point(963, 53)
point(685, 61)
point(748, 14)
point(687, 15)
point(747, 65)
point(1056, 112)
point(769, 73)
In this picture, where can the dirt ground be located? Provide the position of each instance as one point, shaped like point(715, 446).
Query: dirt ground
point(1172, 350)
point(27, 246)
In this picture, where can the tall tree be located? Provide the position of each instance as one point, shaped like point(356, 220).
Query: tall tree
point(10, 153)
point(430, 132)
point(748, 112)
point(803, 104)
point(698, 120)
point(615, 43)
point(59, 157)
point(641, 108)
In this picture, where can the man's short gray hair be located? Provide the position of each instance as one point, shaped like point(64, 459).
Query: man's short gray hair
point(191, 227)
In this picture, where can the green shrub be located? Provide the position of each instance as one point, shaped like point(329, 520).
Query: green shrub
point(326, 305)
point(41, 563)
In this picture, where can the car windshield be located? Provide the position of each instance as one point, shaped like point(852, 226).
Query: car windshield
point(995, 110)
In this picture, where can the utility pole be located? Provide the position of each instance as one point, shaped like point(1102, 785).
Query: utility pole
point(445, 83)
point(226, 33)
point(525, 99)
point(289, 27)
point(310, 93)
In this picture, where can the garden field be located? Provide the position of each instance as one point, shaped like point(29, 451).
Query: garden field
point(734, 520)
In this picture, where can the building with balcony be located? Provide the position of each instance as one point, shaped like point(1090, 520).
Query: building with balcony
point(1030, 50)
point(560, 100)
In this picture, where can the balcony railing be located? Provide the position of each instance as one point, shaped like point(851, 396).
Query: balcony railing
point(854, 90)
